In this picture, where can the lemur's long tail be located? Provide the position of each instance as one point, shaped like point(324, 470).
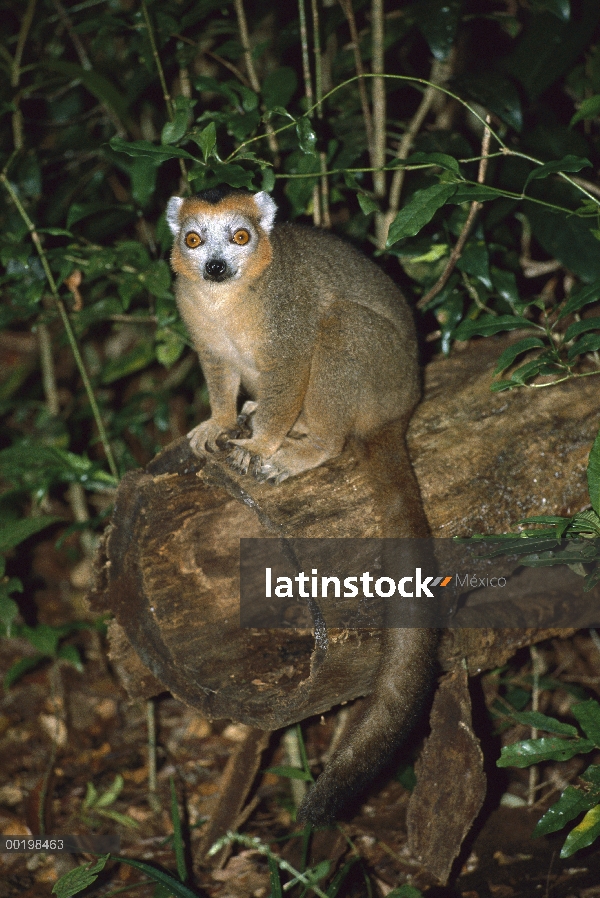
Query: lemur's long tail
point(402, 685)
point(374, 732)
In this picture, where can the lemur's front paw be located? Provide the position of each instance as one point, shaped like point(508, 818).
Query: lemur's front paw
point(210, 436)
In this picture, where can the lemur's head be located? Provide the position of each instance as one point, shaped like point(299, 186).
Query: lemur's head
point(221, 234)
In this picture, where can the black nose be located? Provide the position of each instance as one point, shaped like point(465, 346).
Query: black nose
point(215, 269)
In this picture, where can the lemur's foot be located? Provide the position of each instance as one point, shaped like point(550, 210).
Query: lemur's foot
point(246, 413)
point(245, 462)
point(210, 436)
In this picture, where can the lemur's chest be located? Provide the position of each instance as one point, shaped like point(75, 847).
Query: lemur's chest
point(226, 325)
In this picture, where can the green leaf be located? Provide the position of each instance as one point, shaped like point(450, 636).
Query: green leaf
point(97, 84)
point(123, 819)
point(441, 160)
point(80, 878)
point(337, 881)
point(542, 722)
point(79, 211)
point(306, 136)
point(511, 353)
point(567, 164)
point(274, 878)
point(151, 150)
point(475, 261)
point(268, 180)
point(36, 467)
point(178, 889)
point(592, 775)
point(279, 87)
point(178, 845)
point(486, 325)
point(174, 131)
point(143, 178)
point(20, 668)
point(9, 610)
point(579, 327)
point(169, 346)
point(583, 834)
point(367, 203)
point(565, 237)
point(91, 796)
point(419, 211)
point(15, 532)
point(221, 173)
point(589, 108)
point(571, 803)
point(69, 653)
point(559, 8)
point(471, 193)
point(548, 748)
point(548, 47)
point(505, 283)
point(136, 359)
point(438, 21)
point(586, 343)
point(293, 773)
point(44, 638)
point(580, 298)
point(405, 891)
point(497, 93)
point(207, 140)
point(593, 475)
point(111, 794)
point(588, 716)
point(536, 367)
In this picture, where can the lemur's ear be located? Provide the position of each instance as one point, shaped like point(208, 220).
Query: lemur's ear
point(173, 207)
point(267, 208)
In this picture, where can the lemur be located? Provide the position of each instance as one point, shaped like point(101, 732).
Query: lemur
point(323, 343)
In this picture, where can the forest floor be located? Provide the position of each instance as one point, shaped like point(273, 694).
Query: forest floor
point(62, 729)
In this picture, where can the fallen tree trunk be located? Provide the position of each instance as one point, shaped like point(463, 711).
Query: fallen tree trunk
point(170, 574)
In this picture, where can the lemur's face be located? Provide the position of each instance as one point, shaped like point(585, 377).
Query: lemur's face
point(224, 241)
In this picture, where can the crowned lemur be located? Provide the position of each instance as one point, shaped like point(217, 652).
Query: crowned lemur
point(323, 343)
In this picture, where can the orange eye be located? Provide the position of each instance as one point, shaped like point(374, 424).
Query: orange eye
point(193, 240)
point(241, 237)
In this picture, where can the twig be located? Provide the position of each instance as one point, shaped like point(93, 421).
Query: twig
point(324, 195)
point(153, 799)
point(161, 74)
point(48, 372)
point(538, 669)
point(84, 59)
point(308, 91)
point(255, 844)
point(531, 268)
point(251, 69)
point(15, 74)
point(86, 64)
point(362, 88)
point(228, 65)
point(66, 323)
point(460, 243)
point(294, 759)
point(587, 185)
point(378, 97)
point(439, 74)
point(163, 84)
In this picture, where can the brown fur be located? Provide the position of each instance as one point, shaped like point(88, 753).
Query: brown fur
point(323, 343)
